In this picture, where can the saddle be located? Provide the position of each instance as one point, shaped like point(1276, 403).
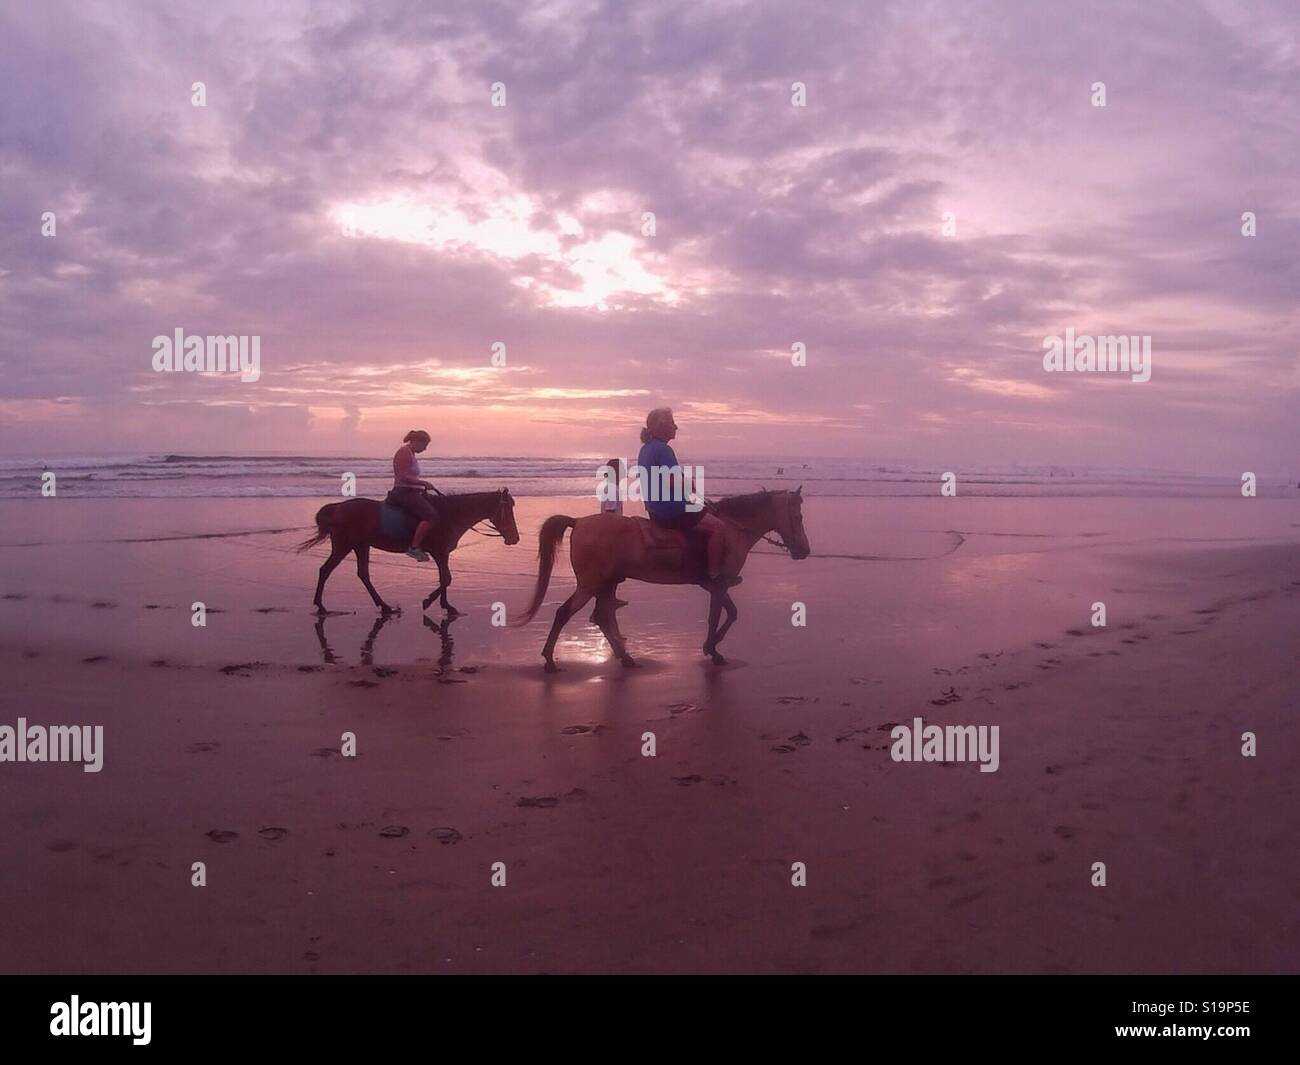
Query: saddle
point(657, 537)
point(395, 522)
point(690, 546)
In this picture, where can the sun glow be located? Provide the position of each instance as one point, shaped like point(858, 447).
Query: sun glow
point(513, 229)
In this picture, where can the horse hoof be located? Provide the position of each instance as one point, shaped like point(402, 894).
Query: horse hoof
point(551, 667)
point(718, 660)
point(390, 611)
point(425, 604)
point(629, 662)
point(452, 612)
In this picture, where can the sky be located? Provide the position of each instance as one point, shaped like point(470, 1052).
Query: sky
point(919, 193)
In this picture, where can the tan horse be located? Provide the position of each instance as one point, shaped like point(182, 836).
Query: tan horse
point(608, 548)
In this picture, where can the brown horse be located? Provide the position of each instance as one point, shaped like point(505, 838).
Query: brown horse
point(354, 526)
point(608, 548)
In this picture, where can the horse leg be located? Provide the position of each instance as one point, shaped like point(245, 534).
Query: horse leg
point(730, 608)
point(363, 571)
point(337, 555)
point(604, 616)
point(444, 577)
point(431, 597)
point(711, 641)
point(567, 609)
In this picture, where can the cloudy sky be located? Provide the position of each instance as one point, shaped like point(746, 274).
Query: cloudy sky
point(473, 224)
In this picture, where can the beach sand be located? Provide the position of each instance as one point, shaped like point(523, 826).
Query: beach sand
point(1119, 745)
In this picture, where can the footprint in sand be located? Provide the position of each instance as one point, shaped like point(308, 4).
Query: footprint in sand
point(271, 833)
point(542, 801)
point(784, 748)
point(949, 696)
point(241, 668)
point(394, 831)
point(310, 669)
point(62, 846)
point(446, 836)
point(327, 752)
point(363, 684)
point(799, 739)
point(14, 595)
point(221, 835)
point(580, 730)
point(202, 747)
point(160, 663)
point(1065, 831)
point(103, 604)
point(694, 778)
point(96, 658)
point(383, 671)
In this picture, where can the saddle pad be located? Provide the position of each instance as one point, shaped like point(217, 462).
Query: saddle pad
point(396, 523)
point(657, 538)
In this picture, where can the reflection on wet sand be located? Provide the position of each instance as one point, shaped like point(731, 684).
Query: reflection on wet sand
point(367, 652)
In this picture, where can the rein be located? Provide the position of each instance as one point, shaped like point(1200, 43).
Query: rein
point(501, 502)
point(493, 531)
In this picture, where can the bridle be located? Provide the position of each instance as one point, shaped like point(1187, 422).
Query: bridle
point(494, 530)
point(765, 537)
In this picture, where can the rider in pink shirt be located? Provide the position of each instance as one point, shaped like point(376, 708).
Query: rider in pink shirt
point(408, 489)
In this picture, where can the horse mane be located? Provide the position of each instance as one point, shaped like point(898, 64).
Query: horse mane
point(745, 506)
point(455, 503)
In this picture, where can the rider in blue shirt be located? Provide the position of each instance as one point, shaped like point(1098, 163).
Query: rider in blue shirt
point(657, 453)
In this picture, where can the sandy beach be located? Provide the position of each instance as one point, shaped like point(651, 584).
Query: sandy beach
point(1119, 745)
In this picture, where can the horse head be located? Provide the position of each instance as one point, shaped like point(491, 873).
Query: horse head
point(503, 518)
point(789, 523)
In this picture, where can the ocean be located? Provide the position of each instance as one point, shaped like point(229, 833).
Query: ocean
point(313, 476)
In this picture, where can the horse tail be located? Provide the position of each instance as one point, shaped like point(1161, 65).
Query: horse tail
point(548, 541)
point(323, 518)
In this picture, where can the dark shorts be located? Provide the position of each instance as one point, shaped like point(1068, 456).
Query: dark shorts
point(414, 501)
point(686, 520)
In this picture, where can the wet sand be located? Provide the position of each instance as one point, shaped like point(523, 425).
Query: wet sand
point(1120, 745)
